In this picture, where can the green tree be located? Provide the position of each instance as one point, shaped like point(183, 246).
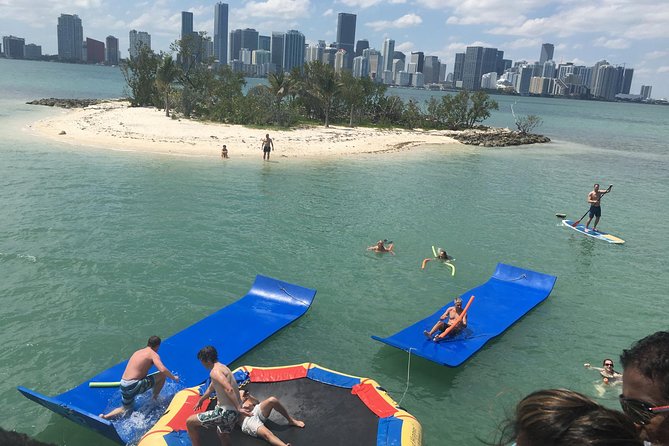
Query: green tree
point(324, 85)
point(352, 93)
point(480, 107)
point(280, 86)
point(140, 76)
point(167, 74)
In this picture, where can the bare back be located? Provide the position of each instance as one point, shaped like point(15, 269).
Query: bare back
point(139, 364)
point(225, 384)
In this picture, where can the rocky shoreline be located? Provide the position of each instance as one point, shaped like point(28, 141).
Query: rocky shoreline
point(67, 103)
point(496, 137)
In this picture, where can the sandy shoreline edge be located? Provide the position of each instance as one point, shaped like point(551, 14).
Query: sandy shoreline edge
point(117, 126)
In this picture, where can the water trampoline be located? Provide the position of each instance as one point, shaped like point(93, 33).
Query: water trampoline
point(338, 409)
point(269, 306)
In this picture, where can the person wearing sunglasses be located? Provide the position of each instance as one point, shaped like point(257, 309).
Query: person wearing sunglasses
point(645, 397)
point(609, 375)
point(561, 417)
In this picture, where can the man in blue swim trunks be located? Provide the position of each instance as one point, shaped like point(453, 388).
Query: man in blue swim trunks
point(135, 380)
point(229, 404)
point(594, 198)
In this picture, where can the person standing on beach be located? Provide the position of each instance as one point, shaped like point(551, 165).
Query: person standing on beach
point(135, 380)
point(267, 146)
point(594, 198)
point(224, 152)
point(229, 404)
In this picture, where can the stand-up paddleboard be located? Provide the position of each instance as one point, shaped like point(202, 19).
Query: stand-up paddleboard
point(593, 233)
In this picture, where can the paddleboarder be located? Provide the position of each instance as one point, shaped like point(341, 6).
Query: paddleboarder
point(594, 198)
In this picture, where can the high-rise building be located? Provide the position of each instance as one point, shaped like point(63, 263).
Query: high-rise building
point(277, 49)
point(627, 81)
point(546, 52)
point(524, 79)
point(442, 73)
point(14, 47)
point(387, 53)
point(250, 39)
point(70, 38)
point(95, 51)
point(186, 23)
point(645, 91)
point(111, 53)
point(340, 57)
point(458, 67)
point(329, 55)
point(293, 50)
point(431, 69)
point(235, 44)
point(264, 43)
point(418, 58)
point(360, 46)
point(346, 35)
point(606, 82)
point(259, 57)
point(478, 61)
point(360, 66)
point(32, 51)
point(548, 69)
point(313, 53)
point(221, 33)
point(138, 39)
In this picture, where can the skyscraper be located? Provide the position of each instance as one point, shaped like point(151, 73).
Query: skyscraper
point(70, 38)
point(186, 23)
point(264, 43)
point(458, 67)
point(221, 32)
point(111, 56)
point(546, 52)
point(418, 57)
point(95, 51)
point(293, 50)
point(346, 35)
point(277, 49)
point(646, 91)
point(388, 52)
point(478, 61)
point(360, 46)
point(138, 39)
point(431, 69)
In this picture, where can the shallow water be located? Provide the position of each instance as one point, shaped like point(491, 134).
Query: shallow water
point(100, 249)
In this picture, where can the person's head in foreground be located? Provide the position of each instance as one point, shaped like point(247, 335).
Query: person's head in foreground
point(457, 302)
point(645, 397)
point(561, 417)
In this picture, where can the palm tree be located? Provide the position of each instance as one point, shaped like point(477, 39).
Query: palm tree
point(352, 92)
point(279, 86)
point(166, 74)
point(325, 86)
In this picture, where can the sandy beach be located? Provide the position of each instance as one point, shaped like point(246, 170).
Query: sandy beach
point(117, 126)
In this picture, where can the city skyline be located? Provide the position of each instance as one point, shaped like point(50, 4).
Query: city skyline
point(626, 32)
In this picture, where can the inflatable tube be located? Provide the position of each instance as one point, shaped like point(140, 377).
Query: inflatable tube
point(457, 321)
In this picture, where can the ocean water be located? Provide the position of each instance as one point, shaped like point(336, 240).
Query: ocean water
point(100, 249)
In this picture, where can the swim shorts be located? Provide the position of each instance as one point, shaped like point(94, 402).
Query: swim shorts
point(266, 149)
point(131, 388)
point(224, 419)
point(251, 424)
point(595, 211)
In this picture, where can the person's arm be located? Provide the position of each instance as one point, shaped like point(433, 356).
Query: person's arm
point(587, 365)
point(162, 369)
point(271, 143)
point(464, 320)
point(204, 396)
point(446, 314)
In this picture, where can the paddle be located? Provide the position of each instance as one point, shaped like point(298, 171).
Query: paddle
point(586, 212)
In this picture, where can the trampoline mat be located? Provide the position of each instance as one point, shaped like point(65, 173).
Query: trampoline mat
point(332, 416)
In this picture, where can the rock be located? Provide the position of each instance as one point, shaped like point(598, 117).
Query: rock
point(497, 137)
point(66, 103)
point(62, 132)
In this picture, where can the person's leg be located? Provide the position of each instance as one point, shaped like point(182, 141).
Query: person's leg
point(223, 438)
point(596, 223)
point(114, 413)
point(273, 403)
point(193, 426)
point(439, 326)
point(159, 382)
point(268, 436)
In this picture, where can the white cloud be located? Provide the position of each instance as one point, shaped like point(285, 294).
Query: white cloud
point(522, 43)
point(328, 12)
point(664, 69)
point(405, 47)
point(657, 54)
point(276, 9)
point(405, 21)
point(616, 44)
point(360, 3)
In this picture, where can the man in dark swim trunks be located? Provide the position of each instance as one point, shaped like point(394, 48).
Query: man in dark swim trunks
point(267, 146)
point(135, 381)
point(594, 198)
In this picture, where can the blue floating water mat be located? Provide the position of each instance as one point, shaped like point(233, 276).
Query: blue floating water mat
point(235, 329)
point(507, 296)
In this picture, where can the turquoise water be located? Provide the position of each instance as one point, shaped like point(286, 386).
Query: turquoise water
point(100, 249)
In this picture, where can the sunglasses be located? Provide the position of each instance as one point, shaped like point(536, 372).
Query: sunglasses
point(640, 412)
point(608, 364)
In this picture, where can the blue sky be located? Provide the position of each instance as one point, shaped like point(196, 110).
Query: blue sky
point(630, 32)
